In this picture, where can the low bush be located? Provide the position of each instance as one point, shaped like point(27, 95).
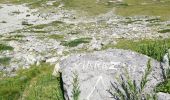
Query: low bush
point(128, 89)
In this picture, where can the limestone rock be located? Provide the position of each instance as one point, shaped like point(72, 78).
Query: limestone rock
point(52, 60)
point(163, 96)
point(56, 69)
point(95, 44)
point(97, 70)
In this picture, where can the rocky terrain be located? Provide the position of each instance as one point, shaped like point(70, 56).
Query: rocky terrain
point(30, 33)
point(33, 35)
point(97, 72)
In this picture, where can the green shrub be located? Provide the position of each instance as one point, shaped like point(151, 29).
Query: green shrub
point(129, 90)
point(156, 49)
point(76, 88)
point(153, 48)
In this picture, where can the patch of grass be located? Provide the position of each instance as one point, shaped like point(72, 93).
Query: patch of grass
point(39, 26)
point(56, 36)
point(154, 20)
point(73, 33)
point(145, 7)
point(164, 87)
point(89, 6)
point(11, 39)
point(16, 36)
point(76, 42)
point(32, 84)
point(153, 48)
point(164, 31)
point(38, 31)
point(54, 23)
point(31, 3)
point(5, 60)
point(130, 21)
point(5, 47)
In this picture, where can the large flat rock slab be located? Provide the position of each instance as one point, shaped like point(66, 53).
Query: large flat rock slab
point(96, 71)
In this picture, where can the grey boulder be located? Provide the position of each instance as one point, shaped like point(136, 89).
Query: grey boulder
point(96, 71)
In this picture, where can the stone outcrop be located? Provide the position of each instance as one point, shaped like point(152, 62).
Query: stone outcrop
point(96, 71)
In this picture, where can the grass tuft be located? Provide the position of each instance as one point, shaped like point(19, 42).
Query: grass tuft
point(164, 31)
point(153, 48)
point(56, 36)
point(4, 47)
point(76, 88)
point(76, 42)
point(5, 60)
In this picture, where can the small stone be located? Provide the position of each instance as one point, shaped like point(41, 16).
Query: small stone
point(163, 96)
point(52, 60)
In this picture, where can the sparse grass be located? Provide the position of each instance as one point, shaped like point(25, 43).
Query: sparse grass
point(40, 26)
point(38, 31)
point(145, 7)
point(31, 3)
point(164, 31)
point(32, 84)
point(16, 36)
point(130, 21)
point(11, 39)
point(73, 33)
point(153, 48)
point(127, 89)
point(56, 36)
point(5, 47)
point(89, 6)
point(5, 60)
point(76, 42)
point(154, 20)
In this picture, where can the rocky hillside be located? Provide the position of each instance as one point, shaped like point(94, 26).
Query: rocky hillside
point(34, 33)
